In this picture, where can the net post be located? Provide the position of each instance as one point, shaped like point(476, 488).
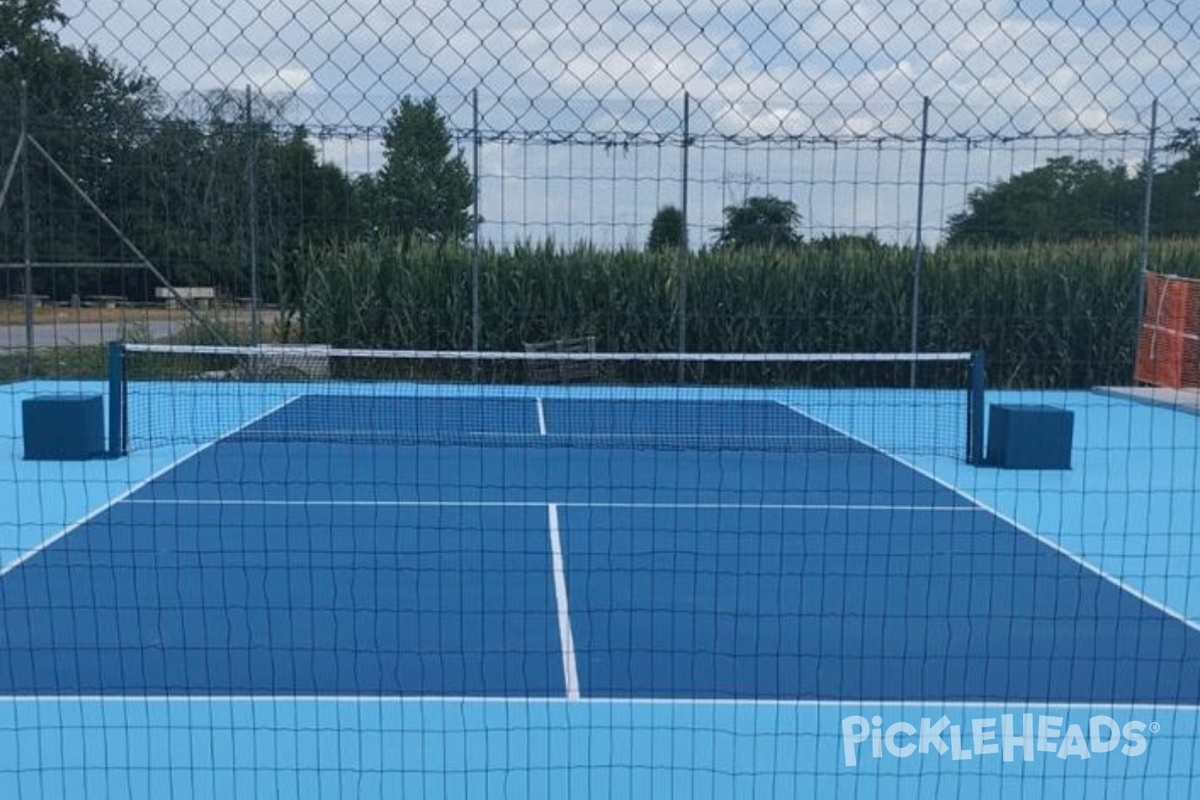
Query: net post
point(977, 381)
point(117, 437)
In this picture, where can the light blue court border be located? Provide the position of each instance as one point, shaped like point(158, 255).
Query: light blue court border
point(369, 748)
point(1130, 508)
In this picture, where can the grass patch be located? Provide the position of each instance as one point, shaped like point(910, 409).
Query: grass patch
point(58, 363)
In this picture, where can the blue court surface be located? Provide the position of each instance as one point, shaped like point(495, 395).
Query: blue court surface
point(375, 584)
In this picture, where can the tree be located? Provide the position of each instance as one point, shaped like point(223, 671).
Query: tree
point(848, 241)
point(366, 199)
point(1060, 200)
point(185, 197)
point(22, 26)
point(90, 115)
point(309, 204)
point(766, 221)
point(425, 188)
point(1176, 206)
point(666, 230)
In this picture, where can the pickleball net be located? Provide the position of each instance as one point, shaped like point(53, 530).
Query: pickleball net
point(923, 403)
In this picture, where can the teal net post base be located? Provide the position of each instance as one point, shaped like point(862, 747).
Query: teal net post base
point(976, 450)
point(118, 441)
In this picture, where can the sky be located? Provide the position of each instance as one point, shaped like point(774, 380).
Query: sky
point(817, 102)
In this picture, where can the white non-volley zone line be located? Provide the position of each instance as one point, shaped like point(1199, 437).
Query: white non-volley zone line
point(980, 505)
point(618, 436)
point(184, 501)
point(125, 495)
point(1015, 705)
point(566, 638)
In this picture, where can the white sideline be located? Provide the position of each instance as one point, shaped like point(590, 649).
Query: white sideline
point(566, 638)
point(1055, 546)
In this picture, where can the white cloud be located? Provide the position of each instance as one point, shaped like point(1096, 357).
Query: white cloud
point(762, 120)
point(278, 80)
point(980, 60)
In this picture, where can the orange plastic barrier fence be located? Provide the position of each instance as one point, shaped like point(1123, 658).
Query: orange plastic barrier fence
point(1168, 351)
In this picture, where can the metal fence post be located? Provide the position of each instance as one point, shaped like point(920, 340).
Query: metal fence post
point(476, 289)
point(1144, 246)
point(27, 225)
point(684, 247)
point(252, 215)
point(919, 255)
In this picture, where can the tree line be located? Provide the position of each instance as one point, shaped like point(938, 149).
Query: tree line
point(175, 179)
point(1063, 200)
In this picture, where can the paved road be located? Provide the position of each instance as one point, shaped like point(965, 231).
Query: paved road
point(65, 334)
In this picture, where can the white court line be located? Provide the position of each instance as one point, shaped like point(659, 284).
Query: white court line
point(350, 437)
point(171, 501)
point(413, 699)
point(1055, 546)
point(566, 638)
point(541, 417)
point(650, 437)
point(137, 487)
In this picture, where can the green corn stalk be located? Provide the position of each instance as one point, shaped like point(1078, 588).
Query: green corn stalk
point(1046, 314)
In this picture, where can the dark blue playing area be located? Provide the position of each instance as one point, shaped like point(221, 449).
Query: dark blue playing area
point(570, 547)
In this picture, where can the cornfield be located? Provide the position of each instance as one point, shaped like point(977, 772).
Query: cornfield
point(1047, 315)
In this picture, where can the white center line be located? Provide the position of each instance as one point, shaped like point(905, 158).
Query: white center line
point(541, 414)
point(566, 638)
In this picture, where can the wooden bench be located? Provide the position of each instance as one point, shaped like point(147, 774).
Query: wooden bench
point(37, 301)
point(199, 296)
point(102, 301)
point(562, 371)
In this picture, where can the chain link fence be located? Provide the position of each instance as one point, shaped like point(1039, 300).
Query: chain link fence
point(230, 142)
point(283, 576)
